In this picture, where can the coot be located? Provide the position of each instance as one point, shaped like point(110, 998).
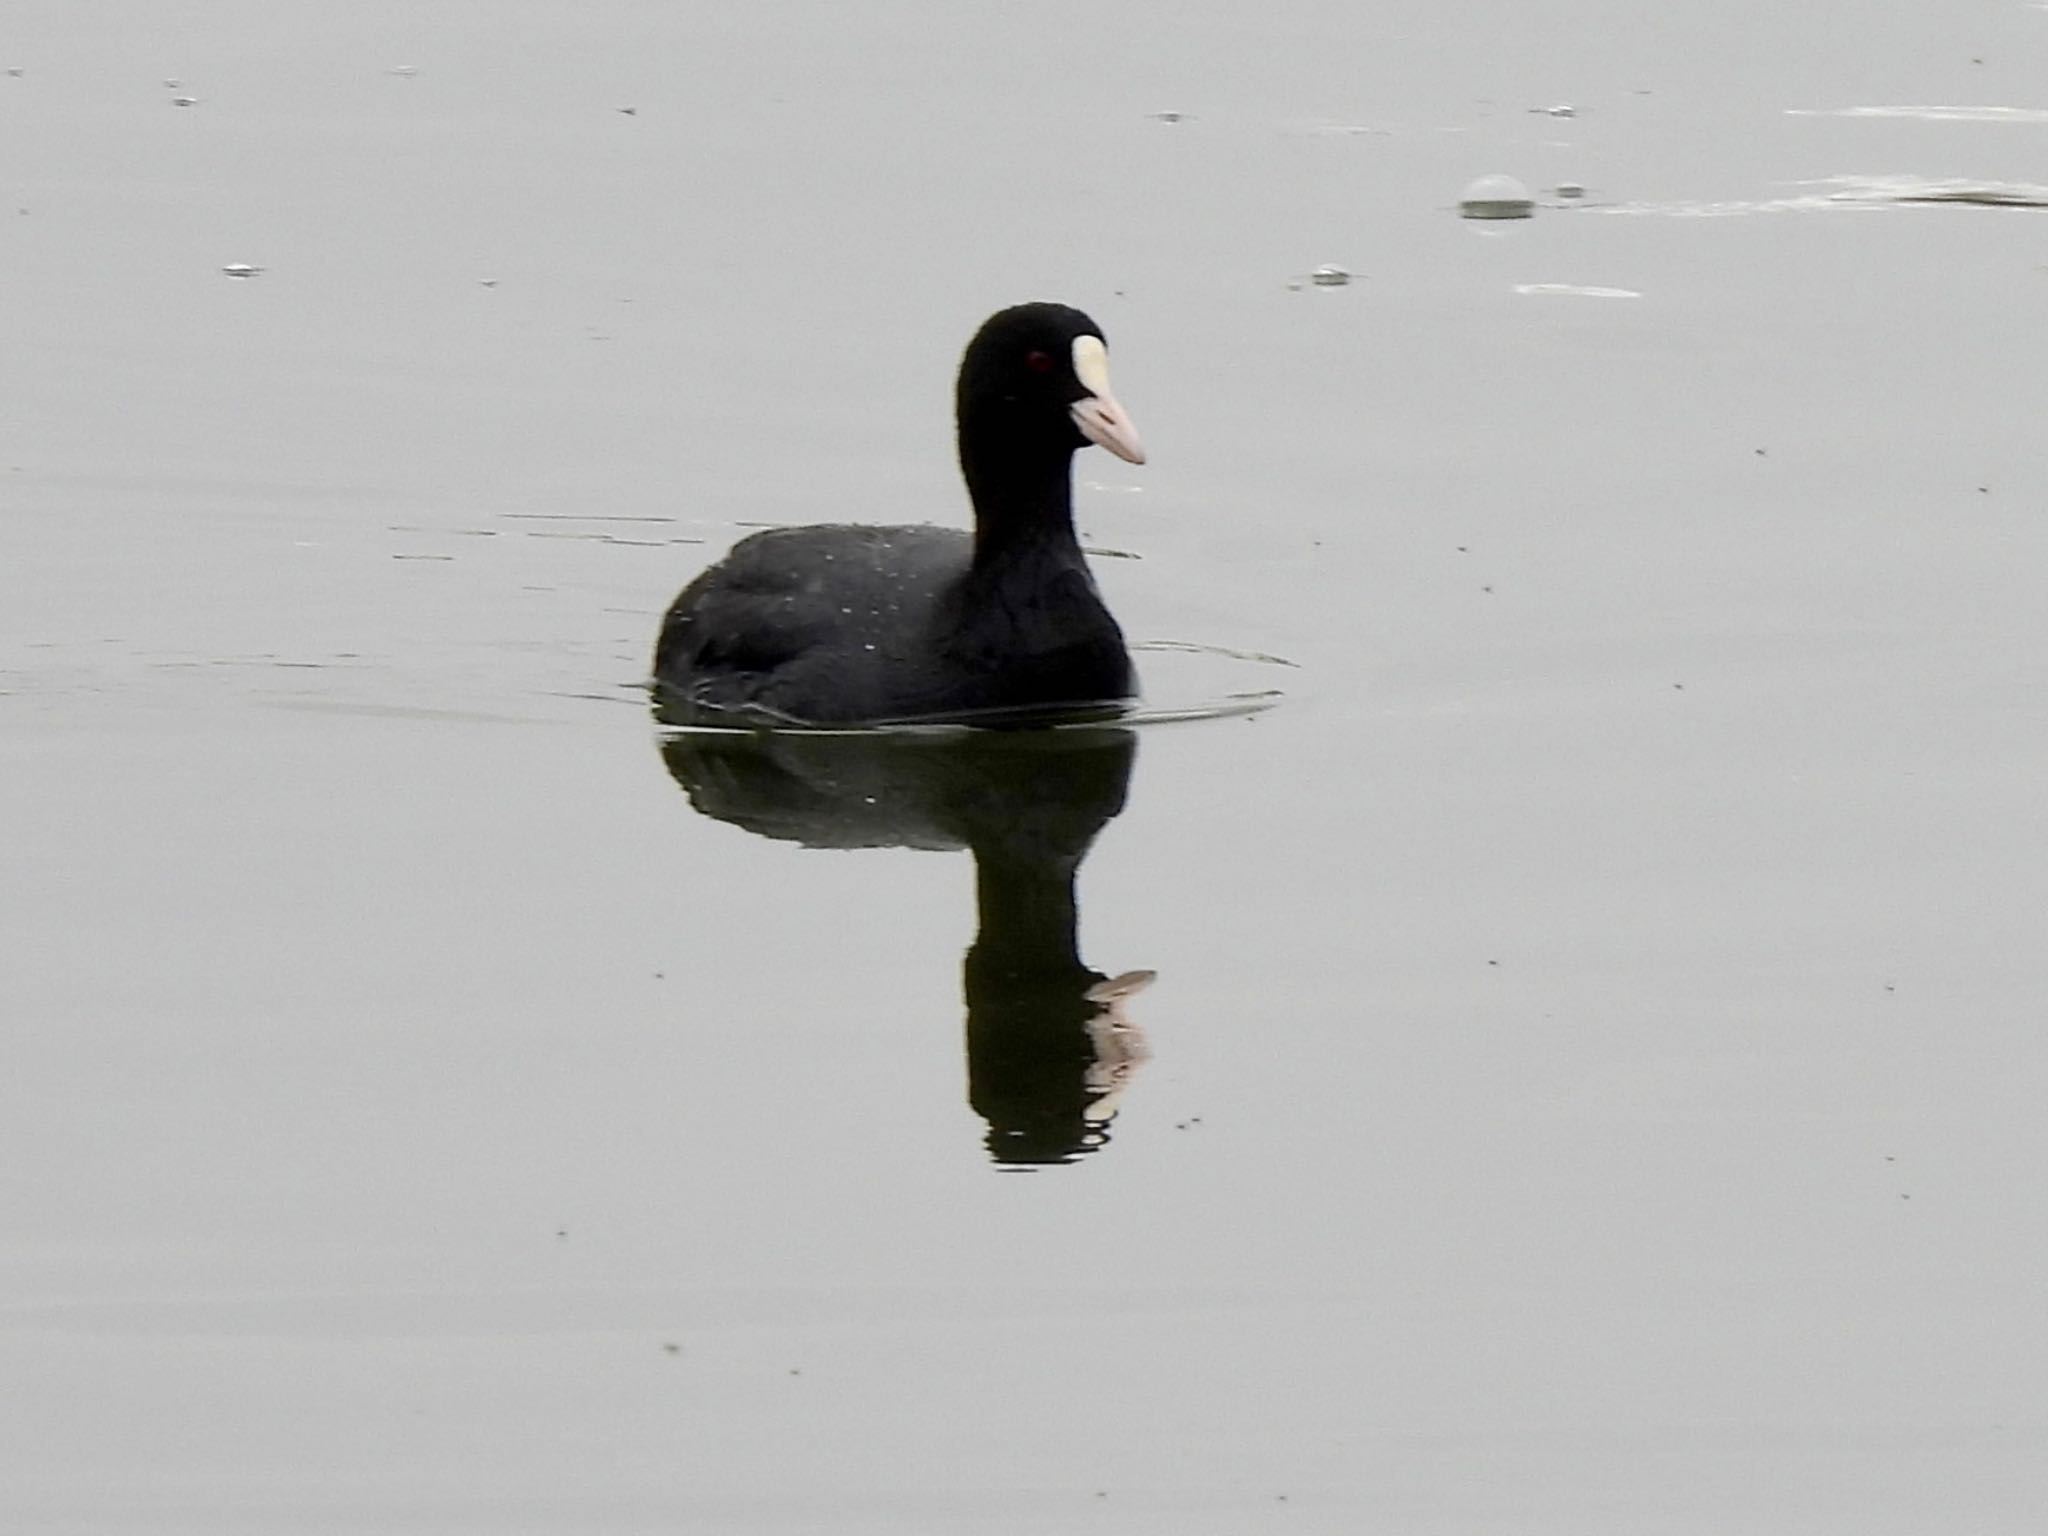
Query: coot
point(848, 624)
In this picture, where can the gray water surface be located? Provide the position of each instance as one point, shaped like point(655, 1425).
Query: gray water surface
point(1592, 1079)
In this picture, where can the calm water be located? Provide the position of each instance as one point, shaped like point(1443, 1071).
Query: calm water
point(1591, 1078)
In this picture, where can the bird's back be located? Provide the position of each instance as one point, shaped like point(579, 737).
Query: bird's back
point(807, 624)
point(844, 624)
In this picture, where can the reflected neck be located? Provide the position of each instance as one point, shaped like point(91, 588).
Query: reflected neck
point(1028, 919)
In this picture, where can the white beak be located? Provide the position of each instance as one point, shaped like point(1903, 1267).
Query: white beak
point(1101, 420)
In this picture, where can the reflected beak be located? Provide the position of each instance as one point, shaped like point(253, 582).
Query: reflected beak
point(1101, 420)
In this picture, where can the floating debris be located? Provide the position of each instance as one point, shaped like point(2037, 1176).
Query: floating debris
point(1571, 191)
point(184, 101)
point(487, 282)
point(1168, 116)
point(1858, 194)
point(14, 70)
point(404, 71)
point(1562, 109)
point(174, 85)
point(1325, 129)
point(627, 111)
point(1931, 114)
point(1922, 189)
point(1496, 197)
point(1329, 276)
point(240, 270)
point(1577, 290)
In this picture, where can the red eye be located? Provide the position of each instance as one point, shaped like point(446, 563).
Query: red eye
point(1038, 362)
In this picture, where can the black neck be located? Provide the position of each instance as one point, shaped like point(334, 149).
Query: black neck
point(1022, 488)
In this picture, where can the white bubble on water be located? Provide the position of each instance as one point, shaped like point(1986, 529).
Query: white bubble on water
point(1496, 197)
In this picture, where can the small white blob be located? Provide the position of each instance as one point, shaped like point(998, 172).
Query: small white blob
point(1329, 275)
point(1496, 197)
point(184, 101)
point(241, 269)
point(1577, 290)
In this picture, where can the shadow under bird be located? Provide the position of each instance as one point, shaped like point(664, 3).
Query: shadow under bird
point(851, 624)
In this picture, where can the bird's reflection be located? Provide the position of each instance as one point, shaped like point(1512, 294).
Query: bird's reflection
point(1049, 1050)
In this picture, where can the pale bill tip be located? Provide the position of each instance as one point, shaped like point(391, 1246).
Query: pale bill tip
point(1103, 422)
